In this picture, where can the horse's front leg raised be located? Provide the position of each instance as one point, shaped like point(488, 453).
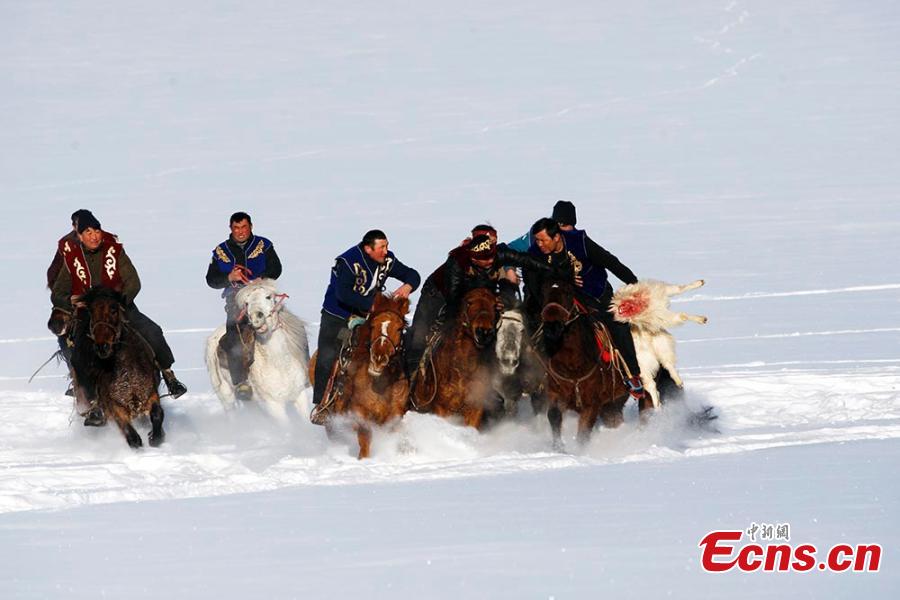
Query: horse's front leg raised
point(123, 419)
point(157, 435)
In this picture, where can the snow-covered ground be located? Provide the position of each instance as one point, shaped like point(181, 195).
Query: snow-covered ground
point(753, 144)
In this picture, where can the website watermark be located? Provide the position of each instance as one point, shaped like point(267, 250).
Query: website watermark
point(775, 552)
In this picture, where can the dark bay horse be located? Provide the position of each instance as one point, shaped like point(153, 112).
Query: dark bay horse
point(457, 378)
point(371, 389)
point(578, 378)
point(115, 366)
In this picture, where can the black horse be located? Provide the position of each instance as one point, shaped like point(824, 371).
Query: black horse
point(114, 366)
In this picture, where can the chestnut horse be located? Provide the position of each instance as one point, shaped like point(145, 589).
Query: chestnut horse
point(371, 388)
point(113, 364)
point(578, 378)
point(457, 380)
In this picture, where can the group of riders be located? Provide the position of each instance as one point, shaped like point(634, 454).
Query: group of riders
point(553, 248)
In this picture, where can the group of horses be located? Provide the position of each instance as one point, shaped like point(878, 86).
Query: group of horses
point(477, 367)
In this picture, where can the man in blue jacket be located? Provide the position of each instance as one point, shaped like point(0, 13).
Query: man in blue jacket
point(358, 274)
point(236, 262)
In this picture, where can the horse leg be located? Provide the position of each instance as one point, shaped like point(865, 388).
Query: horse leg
point(611, 413)
point(554, 415)
point(586, 422)
point(539, 402)
point(472, 418)
point(364, 437)
point(123, 420)
point(157, 435)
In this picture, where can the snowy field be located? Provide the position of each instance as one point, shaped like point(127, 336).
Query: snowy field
point(752, 144)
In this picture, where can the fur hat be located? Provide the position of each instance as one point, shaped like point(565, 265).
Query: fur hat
point(482, 248)
point(564, 213)
point(88, 221)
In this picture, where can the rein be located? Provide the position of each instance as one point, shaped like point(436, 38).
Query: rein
point(116, 329)
point(579, 310)
point(276, 308)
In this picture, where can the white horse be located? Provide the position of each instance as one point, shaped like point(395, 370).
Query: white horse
point(278, 374)
point(518, 372)
point(645, 307)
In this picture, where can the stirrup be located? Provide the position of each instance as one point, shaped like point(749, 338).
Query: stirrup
point(635, 387)
point(175, 387)
point(319, 414)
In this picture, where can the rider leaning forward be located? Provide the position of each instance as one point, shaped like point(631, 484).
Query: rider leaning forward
point(236, 262)
point(557, 241)
point(356, 277)
point(480, 262)
point(97, 258)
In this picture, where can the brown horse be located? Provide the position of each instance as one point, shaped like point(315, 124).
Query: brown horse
point(456, 379)
point(115, 366)
point(578, 378)
point(372, 388)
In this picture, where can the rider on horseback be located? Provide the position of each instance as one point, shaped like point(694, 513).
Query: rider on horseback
point(59, 318)
point(357, 276)
point(235, 262)
point(478, 263)
point(98, 259)
point(559, 243)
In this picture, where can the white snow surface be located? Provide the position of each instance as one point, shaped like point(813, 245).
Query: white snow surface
point(751, 144)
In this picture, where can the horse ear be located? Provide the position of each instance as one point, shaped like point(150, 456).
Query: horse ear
point(404, 306)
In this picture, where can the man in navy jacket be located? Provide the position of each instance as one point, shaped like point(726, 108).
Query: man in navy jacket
point(358, 274)
point(237, 261)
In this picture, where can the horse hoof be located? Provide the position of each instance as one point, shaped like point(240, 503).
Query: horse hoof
point(156, 441)
point(243, 392)
point(134, 440)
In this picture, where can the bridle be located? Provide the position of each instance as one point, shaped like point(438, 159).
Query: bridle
point(395, 348)
point(116, 329)
point(566, 311)
point(276, 308)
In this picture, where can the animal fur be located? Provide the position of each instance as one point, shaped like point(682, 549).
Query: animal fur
point(645, 307)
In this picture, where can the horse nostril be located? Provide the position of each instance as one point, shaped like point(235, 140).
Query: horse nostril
point(259, 316)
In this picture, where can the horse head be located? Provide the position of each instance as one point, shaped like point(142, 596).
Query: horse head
point(386, 326)
point(510, 339)
point(106, 314)
point(479, 313)
point(261, 303)
point(557, 312)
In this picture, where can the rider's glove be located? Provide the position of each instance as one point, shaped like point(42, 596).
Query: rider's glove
point(354, 322)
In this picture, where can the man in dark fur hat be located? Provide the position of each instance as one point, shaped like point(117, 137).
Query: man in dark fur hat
point(478, 263)
point(98, 259)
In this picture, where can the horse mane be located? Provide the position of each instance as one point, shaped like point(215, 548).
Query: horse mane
point(98, 291)
point(268, 285)
point(397, 305)
point(643, 304)
point(294, 326)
